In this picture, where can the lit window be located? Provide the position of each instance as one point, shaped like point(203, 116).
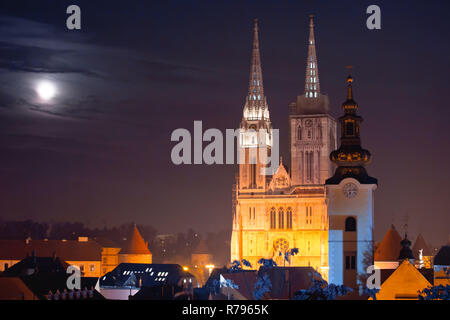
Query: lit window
point(280, 218)
point(308, 214)
point(273, 218)
point(289, 218)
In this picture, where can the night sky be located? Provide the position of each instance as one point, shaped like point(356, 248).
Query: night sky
point(99, 152)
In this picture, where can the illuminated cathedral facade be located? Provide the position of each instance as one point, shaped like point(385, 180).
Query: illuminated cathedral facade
point(291, 208)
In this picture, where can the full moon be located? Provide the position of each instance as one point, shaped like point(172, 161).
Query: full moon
point(46, 90)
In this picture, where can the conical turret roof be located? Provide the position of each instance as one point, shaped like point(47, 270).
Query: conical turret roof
point(135, 243)
point(389, 247)
point(420, 244)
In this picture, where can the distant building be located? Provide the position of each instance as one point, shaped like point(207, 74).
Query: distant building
point(127, 279)
point(285, 282)
point(201, 256)
point(387, 252)
point(13, 288)
point(200, 259)
point(93, 257)
point(403, 284)
point(442, 266)
point(422, 253)
point(84, 253)
point(43, 278)
point(110, 255)
point(135, 249)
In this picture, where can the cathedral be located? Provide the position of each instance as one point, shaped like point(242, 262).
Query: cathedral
point(323, 205)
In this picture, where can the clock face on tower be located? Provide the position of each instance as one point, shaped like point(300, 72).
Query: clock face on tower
point(350, 190)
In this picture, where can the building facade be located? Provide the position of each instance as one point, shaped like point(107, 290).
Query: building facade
point(285, 210)
point(324, 205)
point(84, 253)
point(350, 198)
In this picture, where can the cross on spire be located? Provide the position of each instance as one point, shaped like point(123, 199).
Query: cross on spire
point(256, 106)
point(312, 84)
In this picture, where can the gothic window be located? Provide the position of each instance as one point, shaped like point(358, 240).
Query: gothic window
point(289, 218)
point(273, 218)
point(299, 133)
point(308, 215)
point(350, 224)
point(309, 164)
point(280, 218)
point(253, 175)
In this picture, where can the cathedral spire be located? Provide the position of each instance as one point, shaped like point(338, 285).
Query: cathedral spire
point(256, 105)
point(312, 84)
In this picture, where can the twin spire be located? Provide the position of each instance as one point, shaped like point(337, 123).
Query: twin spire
point(312, 85)
point(256, 107)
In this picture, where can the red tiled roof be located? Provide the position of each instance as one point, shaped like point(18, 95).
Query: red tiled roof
point(13, 288)
point(70, 250)
point(135, 244)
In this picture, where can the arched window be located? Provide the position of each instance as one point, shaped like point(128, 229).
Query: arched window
point(273, 218)
point(299, 133)
point(308, 214)
point(350, 224)
point(289, 218)
point(280, 218)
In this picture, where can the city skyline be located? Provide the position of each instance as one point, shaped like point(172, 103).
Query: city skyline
point(100, 153)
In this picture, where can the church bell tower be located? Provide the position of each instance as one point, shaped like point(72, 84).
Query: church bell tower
point(350, 196)
point(312, 129)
